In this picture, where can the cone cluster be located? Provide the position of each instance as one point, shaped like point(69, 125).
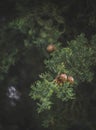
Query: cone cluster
point(62, 78)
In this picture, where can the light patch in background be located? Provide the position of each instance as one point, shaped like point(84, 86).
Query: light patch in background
point(13, 95)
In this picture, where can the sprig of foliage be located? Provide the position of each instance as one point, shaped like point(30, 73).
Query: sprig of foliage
point(73, 60)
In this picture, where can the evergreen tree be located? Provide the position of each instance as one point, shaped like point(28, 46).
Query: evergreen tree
point(62, 70)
